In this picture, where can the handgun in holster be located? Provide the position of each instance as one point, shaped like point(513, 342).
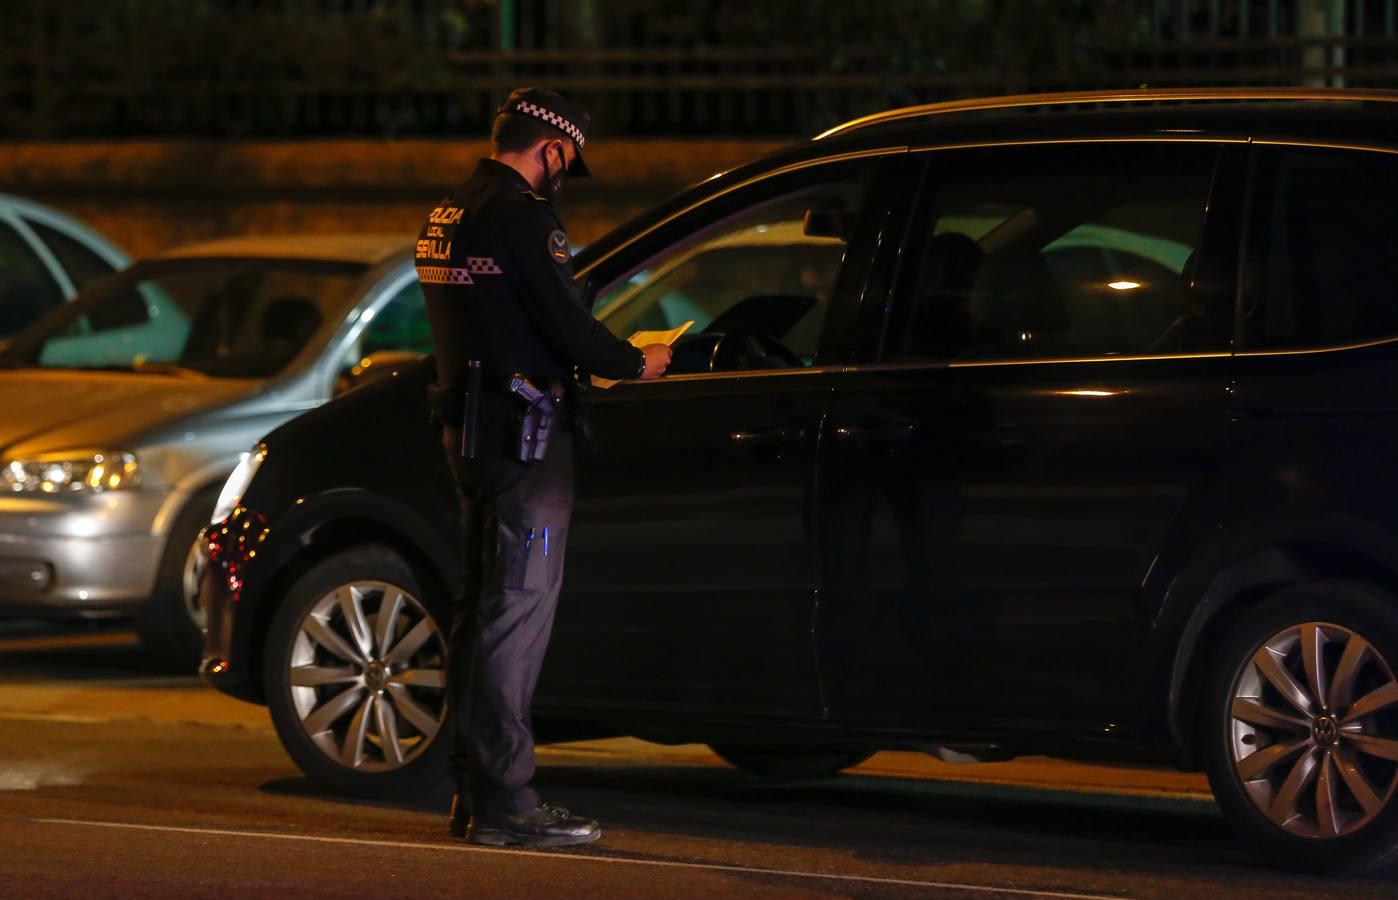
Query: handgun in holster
point(537, 420)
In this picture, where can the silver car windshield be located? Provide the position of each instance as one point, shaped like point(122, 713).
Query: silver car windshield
point(223, 318)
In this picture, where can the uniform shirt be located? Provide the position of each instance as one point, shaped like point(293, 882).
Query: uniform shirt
point(497, 274)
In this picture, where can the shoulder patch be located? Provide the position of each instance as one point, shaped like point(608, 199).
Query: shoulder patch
point(558, 247)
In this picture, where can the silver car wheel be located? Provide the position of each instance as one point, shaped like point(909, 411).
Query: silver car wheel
point(1314, 730)
point(190, 583)
point(368, 676)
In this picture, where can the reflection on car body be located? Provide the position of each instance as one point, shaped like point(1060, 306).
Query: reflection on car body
point(1082, 446)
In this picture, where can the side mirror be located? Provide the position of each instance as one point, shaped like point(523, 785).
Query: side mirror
point(371, 368)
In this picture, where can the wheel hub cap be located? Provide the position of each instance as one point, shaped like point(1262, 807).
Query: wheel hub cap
point(1325, 732)
point(1314, 730)
point(368, 676)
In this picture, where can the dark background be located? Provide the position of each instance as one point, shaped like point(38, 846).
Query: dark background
point(163, 122)
point(260, 68)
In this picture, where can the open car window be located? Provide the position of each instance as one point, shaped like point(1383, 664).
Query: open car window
point(757, 283)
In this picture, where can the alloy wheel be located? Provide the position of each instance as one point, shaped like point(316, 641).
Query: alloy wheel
point(191, 583)
point(1313, 730)
point(368, 676)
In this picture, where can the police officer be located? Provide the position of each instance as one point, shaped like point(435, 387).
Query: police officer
point(511, 338)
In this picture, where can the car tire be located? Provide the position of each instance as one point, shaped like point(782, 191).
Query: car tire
point(787, 764)
point(360, 707)
point(1300, 724)
point(170, 633)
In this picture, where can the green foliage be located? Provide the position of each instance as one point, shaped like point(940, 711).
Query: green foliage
point(206, 41)
point(391, 66)
point(1017, 44)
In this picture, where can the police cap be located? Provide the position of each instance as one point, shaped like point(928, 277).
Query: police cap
point(556, 110)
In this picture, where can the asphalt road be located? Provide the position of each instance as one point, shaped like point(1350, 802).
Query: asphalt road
point(117, 782)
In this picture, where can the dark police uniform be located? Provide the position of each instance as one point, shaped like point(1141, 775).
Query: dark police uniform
point(496, 271)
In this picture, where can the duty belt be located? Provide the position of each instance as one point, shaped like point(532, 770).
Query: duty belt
point(462, 406)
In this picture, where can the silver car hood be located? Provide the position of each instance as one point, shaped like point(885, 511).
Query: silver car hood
point(43, 410)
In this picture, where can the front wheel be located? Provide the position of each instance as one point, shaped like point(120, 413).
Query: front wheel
point(788, 764)
point(171, 624)
point(355, 671)
point(1301, 727)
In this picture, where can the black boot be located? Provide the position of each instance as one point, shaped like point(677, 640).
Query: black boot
point(543, 826)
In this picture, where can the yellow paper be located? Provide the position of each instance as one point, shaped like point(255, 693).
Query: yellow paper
point(646, 338)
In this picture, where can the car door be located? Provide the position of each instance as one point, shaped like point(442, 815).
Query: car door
point(690, 579)
point(1048, 406)
point(1315, 407)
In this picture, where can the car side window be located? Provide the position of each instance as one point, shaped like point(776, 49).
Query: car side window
point(27, 288)
point(399, 325)
point(1059, 251)
point(756, 282)
point(81, 263)
point(1321, 269)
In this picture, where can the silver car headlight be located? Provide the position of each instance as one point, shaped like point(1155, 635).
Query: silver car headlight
point(71, 471)
point(237, 483)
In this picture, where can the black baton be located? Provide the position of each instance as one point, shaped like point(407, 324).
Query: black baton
point(471, 419)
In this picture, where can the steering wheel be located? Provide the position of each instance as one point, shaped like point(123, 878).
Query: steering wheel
point(741, 350)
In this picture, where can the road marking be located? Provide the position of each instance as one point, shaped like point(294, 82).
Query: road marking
point(584, 857)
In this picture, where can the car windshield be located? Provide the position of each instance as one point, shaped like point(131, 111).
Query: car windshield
point(223, 318)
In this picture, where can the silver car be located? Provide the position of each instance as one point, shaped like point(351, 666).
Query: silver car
point(123, 413)
point(45, 257)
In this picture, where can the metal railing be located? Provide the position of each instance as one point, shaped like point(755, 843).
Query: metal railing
point(427, 67)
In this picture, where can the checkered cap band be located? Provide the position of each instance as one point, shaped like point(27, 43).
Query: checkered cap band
point(554, 119)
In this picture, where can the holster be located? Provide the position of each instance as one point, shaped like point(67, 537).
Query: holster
point(538, 418)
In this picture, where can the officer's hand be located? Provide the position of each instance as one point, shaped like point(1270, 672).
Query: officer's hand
point(657, 361)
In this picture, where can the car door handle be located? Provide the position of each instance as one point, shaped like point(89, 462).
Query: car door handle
point(899, 432)
point(766, 438)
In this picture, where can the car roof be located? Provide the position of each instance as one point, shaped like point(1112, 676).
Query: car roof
point(1335, 117)
point(368, 249)
point(1365, 102)
point(1302, 121)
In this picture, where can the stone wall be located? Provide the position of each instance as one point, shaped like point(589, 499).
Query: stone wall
point(150, 195)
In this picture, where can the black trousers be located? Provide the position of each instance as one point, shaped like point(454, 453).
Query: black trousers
point(514, 540)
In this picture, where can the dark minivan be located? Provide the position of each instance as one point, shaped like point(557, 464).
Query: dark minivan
point(1059, 424)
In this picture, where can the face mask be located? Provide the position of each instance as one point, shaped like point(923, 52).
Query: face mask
point(553, 181)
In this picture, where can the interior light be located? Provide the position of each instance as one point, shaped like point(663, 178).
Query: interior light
point(1123, 285)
